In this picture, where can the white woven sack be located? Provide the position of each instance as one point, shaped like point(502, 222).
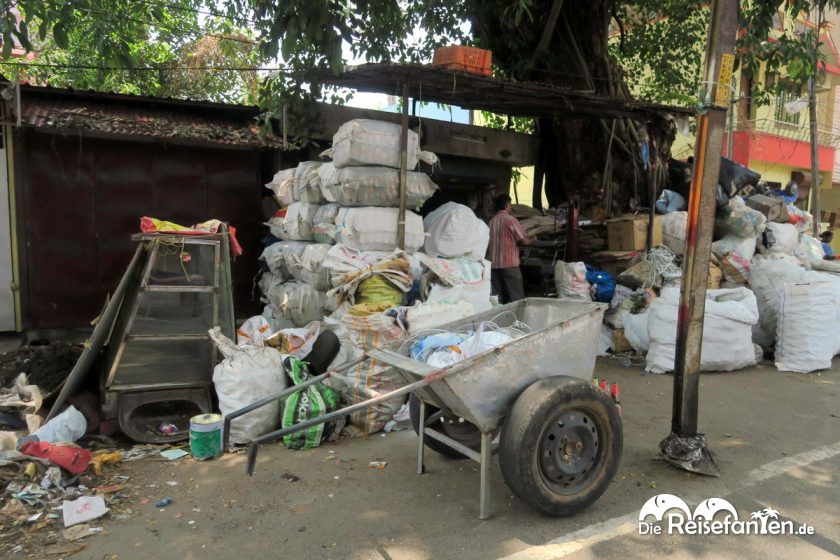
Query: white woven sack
point(373, 186)
point(455, 231)
point(375, 229)
point(308, 183)
point(283, 186)
point(297, 225)
point(309, 266)
point(297, 301)
point(806, 340)
point(371, 142)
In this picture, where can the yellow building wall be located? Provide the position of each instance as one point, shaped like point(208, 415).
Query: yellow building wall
point(523, 191)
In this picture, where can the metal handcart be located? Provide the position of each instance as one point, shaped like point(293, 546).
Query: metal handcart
point(560, 437)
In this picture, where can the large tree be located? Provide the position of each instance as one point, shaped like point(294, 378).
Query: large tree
point(573, 43)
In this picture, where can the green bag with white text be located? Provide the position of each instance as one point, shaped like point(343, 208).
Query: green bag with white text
point(312, 402)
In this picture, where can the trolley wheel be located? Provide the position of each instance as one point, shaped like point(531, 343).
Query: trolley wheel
point(561, 444)
point(457, 428)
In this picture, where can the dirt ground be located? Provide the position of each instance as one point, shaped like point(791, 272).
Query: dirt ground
point(327, 502)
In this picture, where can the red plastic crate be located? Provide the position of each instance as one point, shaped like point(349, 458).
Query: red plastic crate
point(467, 59)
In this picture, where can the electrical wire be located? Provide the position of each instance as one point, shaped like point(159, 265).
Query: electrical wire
point(161, 25)
point(283, 71)
point(196, 11)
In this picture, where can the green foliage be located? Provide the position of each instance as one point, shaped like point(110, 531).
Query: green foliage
point(663, 44)
point(144, 47)
point(661, 49)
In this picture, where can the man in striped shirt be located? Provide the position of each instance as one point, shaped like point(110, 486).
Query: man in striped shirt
point(506, 234)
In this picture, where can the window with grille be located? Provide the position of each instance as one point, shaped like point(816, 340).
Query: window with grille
point(782, 115)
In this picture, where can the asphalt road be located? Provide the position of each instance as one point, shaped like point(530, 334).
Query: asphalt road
point(776, 437)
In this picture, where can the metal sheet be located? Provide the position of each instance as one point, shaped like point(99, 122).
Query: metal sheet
point(85, 197)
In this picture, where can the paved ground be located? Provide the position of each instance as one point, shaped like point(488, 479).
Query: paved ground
point(776, 436)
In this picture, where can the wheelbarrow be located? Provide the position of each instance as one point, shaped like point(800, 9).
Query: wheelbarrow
point(560, 437)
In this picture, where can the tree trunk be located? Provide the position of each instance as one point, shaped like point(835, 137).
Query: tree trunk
point(575, 152)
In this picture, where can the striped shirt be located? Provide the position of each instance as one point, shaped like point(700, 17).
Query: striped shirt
point(505, 234)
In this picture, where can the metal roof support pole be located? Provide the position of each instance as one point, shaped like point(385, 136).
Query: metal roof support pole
point(403, 166)
point(685, 447)
point(653, 179)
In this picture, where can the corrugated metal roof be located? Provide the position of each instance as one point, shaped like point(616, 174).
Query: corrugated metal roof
point(126, 115)
point(498, 95)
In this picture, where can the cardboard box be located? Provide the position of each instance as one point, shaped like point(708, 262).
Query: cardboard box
point(629, 233)
point(620, 344)
point(615, 262)
point(773, 208)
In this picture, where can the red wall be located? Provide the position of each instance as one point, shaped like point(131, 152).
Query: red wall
point(777, 149)
point(83, 198)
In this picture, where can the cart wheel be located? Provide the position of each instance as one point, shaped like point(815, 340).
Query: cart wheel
point(457, 428)
point(560, 445)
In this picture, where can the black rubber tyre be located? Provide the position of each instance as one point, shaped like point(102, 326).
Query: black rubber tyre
point(462, 432)
point(561, 445)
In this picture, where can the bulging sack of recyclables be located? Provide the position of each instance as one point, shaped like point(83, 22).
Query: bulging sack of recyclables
point(373, 186)
point(807, 328)
point(308, 266)
point(727, 330)
point(296, 302)
point(457, 279)
point(371, 142)
point(375, 229)
point(294, 223)
point(570, 281)
point(283, 186)
point(455, 231)
point(246, 375)
point(768, 276)
point(308, 183)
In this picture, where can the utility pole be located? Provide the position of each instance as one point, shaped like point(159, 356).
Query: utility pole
point(685, 447)
point(730, 140)
point(814, 191)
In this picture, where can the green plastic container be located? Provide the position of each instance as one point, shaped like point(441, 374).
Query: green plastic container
point(206, 436)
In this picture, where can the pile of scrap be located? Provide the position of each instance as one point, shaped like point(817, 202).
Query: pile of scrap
point(332, 266)
point(770, 281)
point(57, 478)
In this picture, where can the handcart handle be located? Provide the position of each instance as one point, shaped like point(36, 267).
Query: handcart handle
point(255, 443)
point(285, 392)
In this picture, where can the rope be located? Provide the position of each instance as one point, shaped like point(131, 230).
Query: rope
point(662, 261)
point(169, 246)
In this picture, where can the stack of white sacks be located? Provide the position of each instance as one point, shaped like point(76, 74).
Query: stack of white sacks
point(773, 267)
point(339, 220)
